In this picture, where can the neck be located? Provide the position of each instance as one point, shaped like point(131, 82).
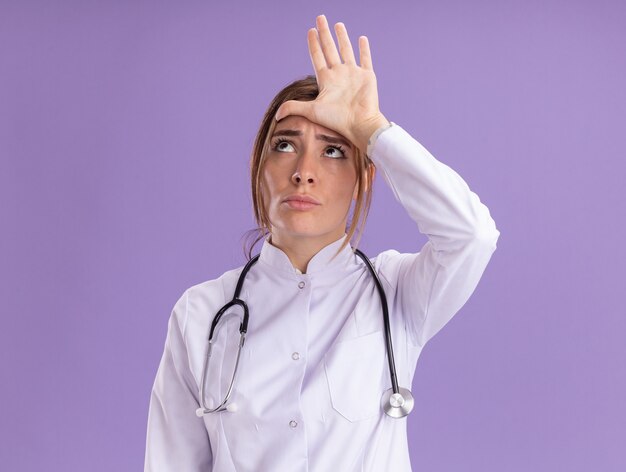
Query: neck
point(300, 251)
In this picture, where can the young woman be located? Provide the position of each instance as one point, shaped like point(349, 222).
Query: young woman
point(331, 343)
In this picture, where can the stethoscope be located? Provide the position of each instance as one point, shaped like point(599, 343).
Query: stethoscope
point(397, 402)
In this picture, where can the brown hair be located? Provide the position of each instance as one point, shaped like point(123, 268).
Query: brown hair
point(305, 90)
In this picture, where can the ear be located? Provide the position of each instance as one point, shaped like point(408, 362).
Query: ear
point(368, 179)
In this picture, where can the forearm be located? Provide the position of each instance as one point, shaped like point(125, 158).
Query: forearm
point(363, 135)
point(433, 194)
point(434, 283)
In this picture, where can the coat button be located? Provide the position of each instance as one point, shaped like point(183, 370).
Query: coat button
point(293, 423)
point(301, 285)
point(295, 356)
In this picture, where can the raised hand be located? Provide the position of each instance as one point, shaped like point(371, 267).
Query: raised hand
point(348, 99)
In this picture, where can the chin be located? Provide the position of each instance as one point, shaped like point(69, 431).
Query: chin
point(304, 225)
point(299, 227)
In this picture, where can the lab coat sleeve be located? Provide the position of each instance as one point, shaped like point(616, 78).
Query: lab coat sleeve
point(434, 283)
point(176, 439)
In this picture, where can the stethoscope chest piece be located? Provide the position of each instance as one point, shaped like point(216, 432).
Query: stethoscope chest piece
point(397, 405)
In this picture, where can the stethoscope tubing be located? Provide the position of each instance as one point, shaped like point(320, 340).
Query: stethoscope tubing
point(390, 399)
point(388, 341)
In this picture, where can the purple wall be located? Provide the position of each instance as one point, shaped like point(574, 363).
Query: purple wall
point(125, 131)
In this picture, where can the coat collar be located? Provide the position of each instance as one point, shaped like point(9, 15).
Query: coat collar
point(276, 258)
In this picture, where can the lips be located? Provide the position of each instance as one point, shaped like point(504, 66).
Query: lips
point(301, 198)
point(301, 202)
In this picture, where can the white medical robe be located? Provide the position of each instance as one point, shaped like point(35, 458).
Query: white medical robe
point(313, 368)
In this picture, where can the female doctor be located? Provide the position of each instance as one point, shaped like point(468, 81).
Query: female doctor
point(310, 366)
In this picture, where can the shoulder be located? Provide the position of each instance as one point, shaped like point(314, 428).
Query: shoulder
point(199, 303)
point(388, 265)
point(215, 291)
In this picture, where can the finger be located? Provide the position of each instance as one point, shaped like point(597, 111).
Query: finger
point(327, 42)
point(315, 51)
point(365, 55)
point(345, 47)
point(295, 107)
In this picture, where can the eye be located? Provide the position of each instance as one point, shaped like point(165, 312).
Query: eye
point(281, 145)
point(337, 149)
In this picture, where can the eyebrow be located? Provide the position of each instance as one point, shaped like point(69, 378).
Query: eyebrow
point(321, 137)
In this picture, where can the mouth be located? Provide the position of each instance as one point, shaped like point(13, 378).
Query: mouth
point(301, 202)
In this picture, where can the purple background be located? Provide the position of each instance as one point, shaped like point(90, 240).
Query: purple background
point(125, 133)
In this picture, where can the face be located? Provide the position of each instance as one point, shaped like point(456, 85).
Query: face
point(305, 159)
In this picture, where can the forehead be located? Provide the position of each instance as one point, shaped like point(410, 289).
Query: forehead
point(302, 123)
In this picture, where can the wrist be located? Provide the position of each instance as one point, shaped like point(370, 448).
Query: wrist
point(367, 130)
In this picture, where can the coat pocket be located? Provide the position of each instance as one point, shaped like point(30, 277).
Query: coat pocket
point(355, 371)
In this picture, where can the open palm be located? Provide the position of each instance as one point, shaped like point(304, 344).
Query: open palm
point(348, 99)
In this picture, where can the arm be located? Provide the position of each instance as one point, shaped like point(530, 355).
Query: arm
point(433, 284)
point(176, 438)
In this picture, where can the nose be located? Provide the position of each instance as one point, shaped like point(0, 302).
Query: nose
point(306, 168)
point(297, 178)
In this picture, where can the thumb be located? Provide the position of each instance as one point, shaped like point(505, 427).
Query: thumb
point(294, 107)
